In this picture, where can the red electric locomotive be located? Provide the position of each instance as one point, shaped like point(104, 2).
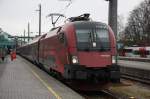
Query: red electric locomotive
point(79, 50)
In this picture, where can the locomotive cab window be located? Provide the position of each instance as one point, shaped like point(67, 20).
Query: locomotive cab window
point(94, 37)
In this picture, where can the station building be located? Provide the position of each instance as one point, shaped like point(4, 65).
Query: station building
point(6, 42)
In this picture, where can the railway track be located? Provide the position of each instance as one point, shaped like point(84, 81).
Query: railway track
point(111, 94)
point(136, 74)
point(103, 94)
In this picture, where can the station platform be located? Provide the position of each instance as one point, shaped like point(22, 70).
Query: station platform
point(19, 79)
point(139, 59)
point(134, 64)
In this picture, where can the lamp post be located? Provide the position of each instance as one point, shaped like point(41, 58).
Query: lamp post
point(28, 31)
point(39, 19)
point(112, 19)
point(24, 36)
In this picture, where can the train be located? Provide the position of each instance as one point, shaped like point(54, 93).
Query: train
point(136, 51)
point(81, 49)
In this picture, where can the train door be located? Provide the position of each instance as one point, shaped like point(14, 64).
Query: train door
point(41, 50)
point(34, 52)
point(62, 52)
point(48, 53)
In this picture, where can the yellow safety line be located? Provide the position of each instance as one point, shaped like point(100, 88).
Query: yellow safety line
point(46, 85)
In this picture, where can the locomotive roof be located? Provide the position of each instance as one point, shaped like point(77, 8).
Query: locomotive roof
point(81, 24)
point(78, 24)
point(33, 41)
point(52, 32)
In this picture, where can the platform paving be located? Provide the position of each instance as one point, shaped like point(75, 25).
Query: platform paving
point(19, 79)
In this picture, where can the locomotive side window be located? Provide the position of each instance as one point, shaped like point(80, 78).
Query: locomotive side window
point(62, 38)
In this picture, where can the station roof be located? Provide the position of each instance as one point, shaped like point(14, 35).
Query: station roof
point(5, 40)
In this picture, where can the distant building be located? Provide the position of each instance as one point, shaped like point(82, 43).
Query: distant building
point(0, 30)
point(5, 41)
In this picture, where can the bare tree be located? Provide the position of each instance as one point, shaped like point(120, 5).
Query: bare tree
point(120, 28)
point(137, 31)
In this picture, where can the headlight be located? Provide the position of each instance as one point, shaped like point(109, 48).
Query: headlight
point(113, 59)
point(94, 44)
point(75, 60)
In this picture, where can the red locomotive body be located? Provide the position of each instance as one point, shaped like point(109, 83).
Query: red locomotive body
point(80, 50)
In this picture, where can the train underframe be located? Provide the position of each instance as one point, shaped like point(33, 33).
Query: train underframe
point(82, 73)
point(77, 72)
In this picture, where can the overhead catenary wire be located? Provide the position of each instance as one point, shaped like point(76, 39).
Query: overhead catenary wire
point(61, 11)
point(66, 7)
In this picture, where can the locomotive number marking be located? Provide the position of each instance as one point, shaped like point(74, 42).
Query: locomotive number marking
point(105, 55)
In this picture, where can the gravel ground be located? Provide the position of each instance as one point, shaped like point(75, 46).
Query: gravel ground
point(131, 89)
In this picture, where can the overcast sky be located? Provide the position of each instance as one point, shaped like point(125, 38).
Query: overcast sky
point(15, 14)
